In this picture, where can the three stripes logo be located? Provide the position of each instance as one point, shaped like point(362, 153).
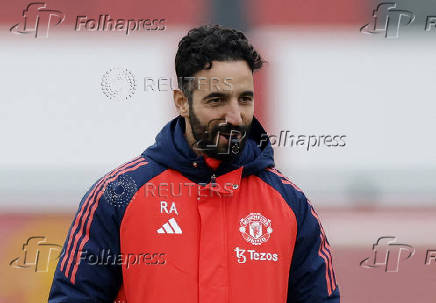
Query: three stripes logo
point(324, 250)
point(80, 230)
point(170, 227)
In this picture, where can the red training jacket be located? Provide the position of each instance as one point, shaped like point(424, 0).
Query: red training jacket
point(166, 227)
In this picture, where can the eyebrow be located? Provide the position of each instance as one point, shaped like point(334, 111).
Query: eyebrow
point(247, 93)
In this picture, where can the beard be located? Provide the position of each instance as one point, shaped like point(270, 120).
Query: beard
point(209, 137)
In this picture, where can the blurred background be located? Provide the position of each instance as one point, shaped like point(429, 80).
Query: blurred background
point(327, 75)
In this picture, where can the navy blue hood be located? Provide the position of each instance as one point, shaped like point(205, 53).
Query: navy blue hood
point(171, 150)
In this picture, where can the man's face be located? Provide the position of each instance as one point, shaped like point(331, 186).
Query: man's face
point(222, 109)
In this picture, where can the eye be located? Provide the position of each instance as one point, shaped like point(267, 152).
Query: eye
point(246, 99)
point(214, 100)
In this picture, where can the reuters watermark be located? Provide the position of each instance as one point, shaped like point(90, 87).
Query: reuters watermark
point(189, 189)
point(120, 84)
point(163, 84)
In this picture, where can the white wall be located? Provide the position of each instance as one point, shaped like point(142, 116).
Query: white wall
point(377, 92)
point(60, 133)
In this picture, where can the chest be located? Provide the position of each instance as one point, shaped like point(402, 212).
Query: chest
point(210, 240)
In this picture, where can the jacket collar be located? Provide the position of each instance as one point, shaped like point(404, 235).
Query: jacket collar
point(173, 151)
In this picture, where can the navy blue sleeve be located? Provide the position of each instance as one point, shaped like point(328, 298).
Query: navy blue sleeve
point(90, 266)
point(86, 272)
point(311, 278)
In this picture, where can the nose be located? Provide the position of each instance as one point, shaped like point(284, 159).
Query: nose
point(234, 113)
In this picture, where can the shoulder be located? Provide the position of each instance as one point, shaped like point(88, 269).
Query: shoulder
point(291, 193)
point(118, 186)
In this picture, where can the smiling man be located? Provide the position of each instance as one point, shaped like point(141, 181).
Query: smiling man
point(202, 215)
point(214, 116)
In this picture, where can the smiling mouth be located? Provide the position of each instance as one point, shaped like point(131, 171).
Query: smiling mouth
point(223, 138)
point(236, 135)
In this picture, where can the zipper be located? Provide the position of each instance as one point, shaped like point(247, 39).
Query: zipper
point(224, 201)
point(213, 179)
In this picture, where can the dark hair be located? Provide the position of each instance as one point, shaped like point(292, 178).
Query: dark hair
point(206, 43)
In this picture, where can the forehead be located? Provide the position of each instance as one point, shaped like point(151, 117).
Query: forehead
point(238, 73)
point(226, 69)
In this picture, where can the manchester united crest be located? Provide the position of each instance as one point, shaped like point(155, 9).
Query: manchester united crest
point(255, 228)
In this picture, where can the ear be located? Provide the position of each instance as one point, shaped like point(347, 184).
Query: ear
point(181, 103)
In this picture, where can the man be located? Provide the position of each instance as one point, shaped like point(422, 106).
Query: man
point(202, 215)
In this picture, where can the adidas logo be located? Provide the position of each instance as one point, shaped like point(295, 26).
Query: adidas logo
point(171, 227)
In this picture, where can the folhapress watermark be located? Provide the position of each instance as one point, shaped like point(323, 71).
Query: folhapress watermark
point(37, 20)
point(387, 19)
point(105, 23)
point(106, 257)
point(37, 254)
point(287, 139)
point(387, 254)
